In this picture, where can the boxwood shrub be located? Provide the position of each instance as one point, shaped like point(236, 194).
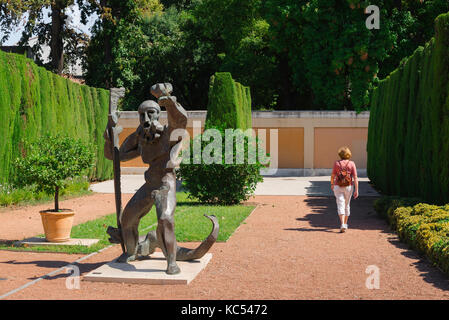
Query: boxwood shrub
point(221, 183)
point(424, 227)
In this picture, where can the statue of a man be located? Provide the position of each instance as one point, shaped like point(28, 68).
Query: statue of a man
point(152, 141)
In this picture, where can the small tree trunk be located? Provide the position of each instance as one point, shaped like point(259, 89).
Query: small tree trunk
point(108, 61)
point(56, 43)
point(107, 51)
point(57, 199)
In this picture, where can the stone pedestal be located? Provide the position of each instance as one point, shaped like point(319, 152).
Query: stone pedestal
point(148, 271)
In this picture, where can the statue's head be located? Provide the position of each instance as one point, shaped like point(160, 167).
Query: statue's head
point(149, 112)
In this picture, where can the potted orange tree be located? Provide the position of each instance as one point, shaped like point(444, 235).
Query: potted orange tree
point(48, 164)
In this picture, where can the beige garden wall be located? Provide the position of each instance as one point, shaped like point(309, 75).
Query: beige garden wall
point(307, 141)
point(327, 140)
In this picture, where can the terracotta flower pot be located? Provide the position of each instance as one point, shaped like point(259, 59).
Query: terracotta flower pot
point(57, 225)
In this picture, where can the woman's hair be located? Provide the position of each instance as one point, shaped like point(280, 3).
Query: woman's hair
point(344, 153)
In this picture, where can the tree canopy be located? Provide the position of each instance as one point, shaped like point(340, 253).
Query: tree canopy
point(49, 22)
point(294, 54)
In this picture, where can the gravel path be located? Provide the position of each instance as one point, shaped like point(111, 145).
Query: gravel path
point(288, 248)
point(17, 223)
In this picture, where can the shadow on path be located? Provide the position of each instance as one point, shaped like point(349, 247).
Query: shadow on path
point(322, 217)
point(427, 271)
point(54, 264)
point(6, 242)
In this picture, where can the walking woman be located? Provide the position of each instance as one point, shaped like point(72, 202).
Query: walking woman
point(344, 182)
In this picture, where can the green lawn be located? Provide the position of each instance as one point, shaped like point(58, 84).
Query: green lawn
point(190, 225)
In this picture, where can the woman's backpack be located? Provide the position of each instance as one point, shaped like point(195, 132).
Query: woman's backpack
point(343, 177)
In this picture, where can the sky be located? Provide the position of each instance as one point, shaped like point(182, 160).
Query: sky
point(74, 15)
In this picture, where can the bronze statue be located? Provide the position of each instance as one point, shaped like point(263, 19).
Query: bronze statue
point(152, 141)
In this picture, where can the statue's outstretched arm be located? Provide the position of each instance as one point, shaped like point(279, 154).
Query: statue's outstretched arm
point(176, 114)
point(129, 148)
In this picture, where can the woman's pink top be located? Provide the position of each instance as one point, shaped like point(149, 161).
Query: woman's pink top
point(343, 163)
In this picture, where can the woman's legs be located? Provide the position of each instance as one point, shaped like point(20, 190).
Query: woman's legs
point(342, 218)
point(343, 198)
point(340, 198)
point(348, 194)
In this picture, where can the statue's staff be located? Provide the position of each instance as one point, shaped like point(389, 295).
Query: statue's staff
point(114, 131)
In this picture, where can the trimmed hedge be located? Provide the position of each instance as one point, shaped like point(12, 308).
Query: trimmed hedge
point(229, 104)
point(34, 102)
point(408, 134)
point(229, 107)
point(221, 183)
point(424, 227)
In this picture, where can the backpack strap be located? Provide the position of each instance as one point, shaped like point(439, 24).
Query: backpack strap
point(346, 167)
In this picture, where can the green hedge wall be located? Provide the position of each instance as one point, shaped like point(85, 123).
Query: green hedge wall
point(34, 101)
point(229, 104)
point(408, 134)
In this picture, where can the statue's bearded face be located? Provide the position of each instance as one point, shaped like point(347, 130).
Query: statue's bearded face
point(149, 112)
